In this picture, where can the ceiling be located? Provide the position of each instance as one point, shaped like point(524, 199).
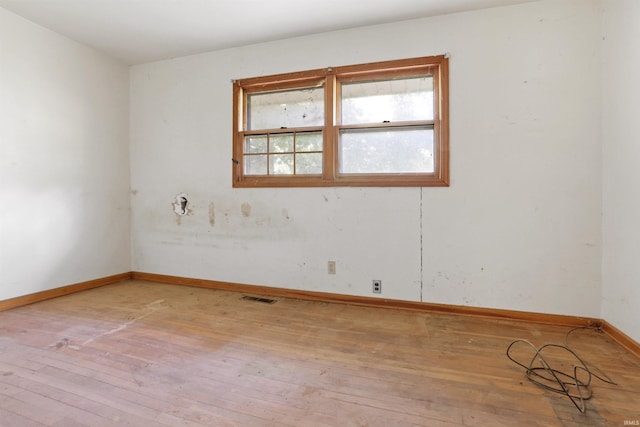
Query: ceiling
point(139, 31)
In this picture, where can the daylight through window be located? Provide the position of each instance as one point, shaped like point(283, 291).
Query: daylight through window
point(379, 124)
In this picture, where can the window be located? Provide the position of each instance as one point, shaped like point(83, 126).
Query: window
point(379, 124)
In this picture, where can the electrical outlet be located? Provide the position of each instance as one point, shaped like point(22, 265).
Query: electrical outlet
point(331, 267)
point(377, 286)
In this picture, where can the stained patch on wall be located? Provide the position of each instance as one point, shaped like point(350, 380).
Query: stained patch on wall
point(246, 209)
point(212, 214)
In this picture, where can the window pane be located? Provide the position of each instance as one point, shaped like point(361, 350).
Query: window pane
point(281, 164)
point(255, 165)
point(387, 100)
point(309, 141)
point(398, 150)
point(309, 163)
point(255, 144)
point(290, 108)
point(281, 143)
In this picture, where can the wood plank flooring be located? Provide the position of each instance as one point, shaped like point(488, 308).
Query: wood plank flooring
point(146, 354)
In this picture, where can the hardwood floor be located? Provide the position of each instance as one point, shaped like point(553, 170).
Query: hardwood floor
point(146, 354)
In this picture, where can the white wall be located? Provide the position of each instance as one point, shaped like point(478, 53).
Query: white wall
point(621, 154)
point(519, 228)
point(64, 171)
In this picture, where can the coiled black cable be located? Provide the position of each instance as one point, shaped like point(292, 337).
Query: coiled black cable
point(541, 372)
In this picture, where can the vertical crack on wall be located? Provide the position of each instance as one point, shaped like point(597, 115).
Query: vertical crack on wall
point(421, 248)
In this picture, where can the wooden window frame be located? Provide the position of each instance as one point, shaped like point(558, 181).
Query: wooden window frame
point(331, 79)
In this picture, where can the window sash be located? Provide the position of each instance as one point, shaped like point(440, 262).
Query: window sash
point(268, 153)
point(418, 152)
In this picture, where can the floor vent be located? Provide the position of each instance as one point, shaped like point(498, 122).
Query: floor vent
point(258, 299)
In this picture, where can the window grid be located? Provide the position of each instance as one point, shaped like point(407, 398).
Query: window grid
point(293, 152)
